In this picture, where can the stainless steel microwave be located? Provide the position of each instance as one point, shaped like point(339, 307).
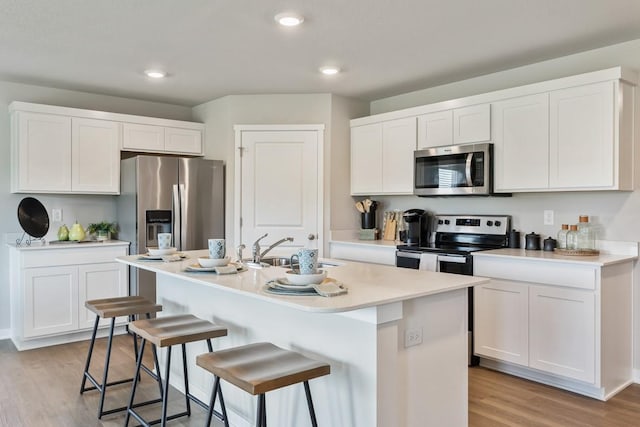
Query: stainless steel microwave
point(456, 170)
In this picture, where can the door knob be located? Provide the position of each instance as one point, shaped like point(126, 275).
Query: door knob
point(311, 237)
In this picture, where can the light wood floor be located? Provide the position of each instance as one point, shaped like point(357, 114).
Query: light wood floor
point(41, 388)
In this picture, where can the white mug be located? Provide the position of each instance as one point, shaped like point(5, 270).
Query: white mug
point(217, 249)
point(164, 240)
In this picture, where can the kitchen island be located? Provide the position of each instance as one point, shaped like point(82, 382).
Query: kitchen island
point(396, 342)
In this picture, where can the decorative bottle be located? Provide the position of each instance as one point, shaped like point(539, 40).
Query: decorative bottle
point(572, 237)
point(586, 240)
point(562, 237)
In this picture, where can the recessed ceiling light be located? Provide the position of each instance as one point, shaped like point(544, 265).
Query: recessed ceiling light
point(289, 19)
point(329, 71)
point(155, 74)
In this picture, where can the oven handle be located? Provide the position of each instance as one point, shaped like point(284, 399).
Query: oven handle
point(412, 255)
point(467, 169)
point(452, 258)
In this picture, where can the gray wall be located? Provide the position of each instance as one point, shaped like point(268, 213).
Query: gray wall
point(85, 209)
point(615, 213)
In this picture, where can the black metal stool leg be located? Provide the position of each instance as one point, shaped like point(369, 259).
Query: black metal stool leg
point(165, 394)
point(212, 401)
point(261, 416)
point(135, 382)
point(225, 419)
point(103, 389)
point(86, 366)
point(186, 379)
point(312, 412)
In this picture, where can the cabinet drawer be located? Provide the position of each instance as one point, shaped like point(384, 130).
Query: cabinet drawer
point(545, 272)
point(71, 256)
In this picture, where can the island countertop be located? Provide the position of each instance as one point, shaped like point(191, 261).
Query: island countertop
point(368, 285)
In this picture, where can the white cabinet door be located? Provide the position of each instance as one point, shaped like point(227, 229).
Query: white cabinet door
point(137, 137)
point(366, 159)
point(95, 154)
point(562, 332)
point(472, 124)
point(501, 321)
point(95, 281)
point(435, 129)
point(188, 141)
point(50, 300)
point(398, 145)
point(43, 145)
point(521, 143)
point(582, 137)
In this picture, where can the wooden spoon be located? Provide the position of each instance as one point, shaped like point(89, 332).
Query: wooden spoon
point(360, 207)
point(367, 204)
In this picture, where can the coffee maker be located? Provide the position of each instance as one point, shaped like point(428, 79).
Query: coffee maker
point(417, 227)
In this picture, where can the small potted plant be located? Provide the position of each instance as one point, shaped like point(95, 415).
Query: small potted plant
point(103, 230)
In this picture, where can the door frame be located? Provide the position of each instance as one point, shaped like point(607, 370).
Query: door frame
point(319, 129)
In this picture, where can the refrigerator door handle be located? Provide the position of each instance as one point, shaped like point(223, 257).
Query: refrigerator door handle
point(183, 211)
point(175, 226)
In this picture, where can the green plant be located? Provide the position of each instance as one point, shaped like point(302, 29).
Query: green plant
point(104, 226)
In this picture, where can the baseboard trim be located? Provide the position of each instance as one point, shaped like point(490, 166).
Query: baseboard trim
point(636, 376)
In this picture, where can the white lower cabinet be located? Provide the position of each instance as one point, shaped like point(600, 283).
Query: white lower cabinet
point(562, 332)
point(502, 321)
point(564, 324)
point(50, 286)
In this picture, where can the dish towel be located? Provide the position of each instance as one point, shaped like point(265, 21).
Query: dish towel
point(428, 261)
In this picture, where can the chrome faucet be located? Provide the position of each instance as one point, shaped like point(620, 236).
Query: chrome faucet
point(255, 249)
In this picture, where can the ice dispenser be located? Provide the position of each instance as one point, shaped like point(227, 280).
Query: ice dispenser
point(158, 221)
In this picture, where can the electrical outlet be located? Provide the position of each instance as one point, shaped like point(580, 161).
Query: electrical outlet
point(412, 337)
point(548, 217)
point(57, 215)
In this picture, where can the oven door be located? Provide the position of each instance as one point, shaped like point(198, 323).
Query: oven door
point(457, 264)
point(453, 170)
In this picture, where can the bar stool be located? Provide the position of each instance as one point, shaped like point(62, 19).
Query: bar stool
point(259, 368)
point(110, 308)
point(167, 332)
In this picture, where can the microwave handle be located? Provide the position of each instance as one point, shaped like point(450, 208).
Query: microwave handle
point(467, 169)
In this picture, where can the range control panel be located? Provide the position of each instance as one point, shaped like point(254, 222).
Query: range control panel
point(472, 224)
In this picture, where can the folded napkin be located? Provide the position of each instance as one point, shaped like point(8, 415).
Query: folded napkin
point(329, 288)
point(227, 269)
point(171, 258)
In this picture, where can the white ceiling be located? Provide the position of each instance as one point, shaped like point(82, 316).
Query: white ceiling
point(212, 48)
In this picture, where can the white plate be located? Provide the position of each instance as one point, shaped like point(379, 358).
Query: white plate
point(160, 252)
point(305, 279)
point(150, 257)
point(198, 267)
point(283, 283)
point(208, 262)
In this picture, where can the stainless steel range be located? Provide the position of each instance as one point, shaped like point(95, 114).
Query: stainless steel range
point(450, 248)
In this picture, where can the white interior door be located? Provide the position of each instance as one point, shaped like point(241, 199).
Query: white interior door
point(280, 187)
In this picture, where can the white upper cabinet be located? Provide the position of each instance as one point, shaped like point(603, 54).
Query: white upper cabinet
point(95, 156)
point(435, 129)
point(161, 139)
point(472, 124)
point(41, 145)
point(72, 151)
point(521, 143)
point(382, 157)
point(582, 137)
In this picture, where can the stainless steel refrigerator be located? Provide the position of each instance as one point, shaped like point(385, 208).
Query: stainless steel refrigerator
point(182, 196)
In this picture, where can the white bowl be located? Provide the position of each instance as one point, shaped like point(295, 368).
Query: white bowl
point(305, 279)
point(208, 262)
point(154, 251)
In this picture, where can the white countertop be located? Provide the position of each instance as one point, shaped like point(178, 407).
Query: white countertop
point(36, 246)
point(600, 260)
point(369, 284)
point(390, 244)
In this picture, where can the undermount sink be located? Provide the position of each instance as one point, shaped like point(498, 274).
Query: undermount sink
point(284, 262)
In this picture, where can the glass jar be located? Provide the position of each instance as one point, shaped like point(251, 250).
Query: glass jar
point(562, 237)
point(572, 237)
point(586, 240)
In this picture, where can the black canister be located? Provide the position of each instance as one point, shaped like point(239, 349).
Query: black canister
point(368, 219)
point(532, 242)
point(549, 244)
point(514, 239)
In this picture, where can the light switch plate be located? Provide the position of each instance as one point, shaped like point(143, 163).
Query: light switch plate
point(548, 217)
point(57, 215)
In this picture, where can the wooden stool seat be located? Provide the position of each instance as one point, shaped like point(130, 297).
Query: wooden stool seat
point(122, 306)
point(110, 308)
point(167, 332)
point(172, 330)
point(261, 367)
